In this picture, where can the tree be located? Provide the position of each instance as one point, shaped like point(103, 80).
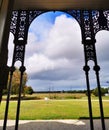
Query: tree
point(103, 91)
point(28, 90)
point(16, 82)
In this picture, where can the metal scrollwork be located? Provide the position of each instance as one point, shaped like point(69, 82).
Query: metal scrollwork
point(75, 14)
point(89, 52)
point(95, 15)
point(20, 38)
point(14, 22)
point(22, 24)
point(90, 21)
point(106, 14)
point(100, 20)
point(87, 29)
point(34, 14)
point(19, 49)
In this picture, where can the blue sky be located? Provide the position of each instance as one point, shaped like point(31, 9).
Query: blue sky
point(54, 54)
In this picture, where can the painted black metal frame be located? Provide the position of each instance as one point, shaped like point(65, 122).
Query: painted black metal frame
point(90, 21)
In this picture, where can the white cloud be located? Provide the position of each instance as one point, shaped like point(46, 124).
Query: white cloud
point(54, 53)
point(58, 56)
point(102, 46)
point(39, 63)
point(64, 39)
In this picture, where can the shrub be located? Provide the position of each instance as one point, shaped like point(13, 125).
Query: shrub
point(28, 90)
point(103, 91)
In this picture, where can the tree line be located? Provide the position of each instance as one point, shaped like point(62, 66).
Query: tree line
point(28, 89)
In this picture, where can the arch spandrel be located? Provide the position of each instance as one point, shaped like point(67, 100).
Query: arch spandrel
point(32, 14)
point(100, 20)
point(90, 23)
point(74, 13)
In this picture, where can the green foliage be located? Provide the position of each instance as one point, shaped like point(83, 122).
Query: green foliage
point(4, 91)
point(103, 91)
point(16, 82)
point(86, 92)
point(28, 90)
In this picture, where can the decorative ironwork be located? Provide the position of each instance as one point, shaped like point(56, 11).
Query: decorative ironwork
point(19, 53)
point(90, 23)
point(19, 27)
point(75, 14)
point(86, 22)
point(89, 29)
point(89, 50)
point(14, 22)
point(34, 14)
point(100, 20)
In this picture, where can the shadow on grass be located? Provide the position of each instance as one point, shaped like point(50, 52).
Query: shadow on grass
point(87, 118)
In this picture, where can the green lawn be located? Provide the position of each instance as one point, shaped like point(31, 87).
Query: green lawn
point(54, 109)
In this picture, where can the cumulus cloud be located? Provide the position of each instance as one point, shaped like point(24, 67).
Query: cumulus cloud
point(54, 54)
point(102, 46)
point(64, 39)
point(59, 55)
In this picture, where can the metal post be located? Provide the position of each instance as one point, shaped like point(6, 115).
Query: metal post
point(96, 69)
point(22, 22)
point(86, 69)
point(4, 73)
point(22, 69)
point(8, 97)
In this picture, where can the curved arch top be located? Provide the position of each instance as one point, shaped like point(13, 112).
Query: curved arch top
point(32, 14)
point(90, 21)
point(74, 13)
point(100, 19)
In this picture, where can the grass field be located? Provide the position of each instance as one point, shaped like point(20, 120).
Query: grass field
point(58, 96)
point(38, 96)
point(54, 109)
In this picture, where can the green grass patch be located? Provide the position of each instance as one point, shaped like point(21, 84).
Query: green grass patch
point(54, 109)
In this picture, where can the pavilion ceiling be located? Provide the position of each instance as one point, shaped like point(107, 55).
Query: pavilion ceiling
point(60, 4)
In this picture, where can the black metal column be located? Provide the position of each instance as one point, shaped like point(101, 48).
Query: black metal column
point(86, 69)
point(20, 43)
point(85, 29)
point(12, 69)
point(22, 69)
point(97, 69)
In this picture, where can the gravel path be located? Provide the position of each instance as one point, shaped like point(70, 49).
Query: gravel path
point(55, 125)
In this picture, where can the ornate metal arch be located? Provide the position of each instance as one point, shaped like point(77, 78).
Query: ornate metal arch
point(90, 21)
